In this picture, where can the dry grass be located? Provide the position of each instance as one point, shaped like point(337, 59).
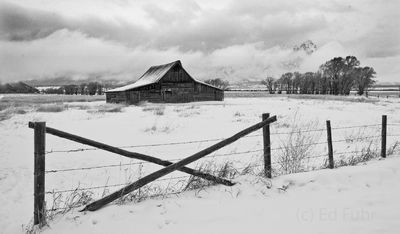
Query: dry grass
point(12, 104)
point(4, 106)
point(225, 170)
point(23, 99)
point(10, 112)
point(367, 153)
point(296, 147)
point(51, 108)
point(255, 94)
point(187, 111)
point(393, 149)
point(109, 108)
point(251, 94)
point(78, 106)
point(159, 129)
point(334, 98)
point(62, 203)
point(157, 110)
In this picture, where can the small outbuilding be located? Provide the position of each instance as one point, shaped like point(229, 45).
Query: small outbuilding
point(169, 83)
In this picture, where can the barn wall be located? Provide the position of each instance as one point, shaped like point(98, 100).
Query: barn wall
point(116, 97)
point(150, 93)
point(177, 92)
point(206, 93)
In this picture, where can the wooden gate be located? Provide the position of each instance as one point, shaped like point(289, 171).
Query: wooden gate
point(40, 131)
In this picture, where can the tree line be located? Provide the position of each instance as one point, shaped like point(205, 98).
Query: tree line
point(337, 76)
point(218, 82)
point(91, 88)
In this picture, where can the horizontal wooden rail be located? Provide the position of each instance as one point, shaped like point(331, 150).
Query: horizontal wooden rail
point(129, 154)
point(176, 166)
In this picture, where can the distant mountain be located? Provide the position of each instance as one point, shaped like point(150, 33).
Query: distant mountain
point(387, 84)
point(19, 87)
point(65, 80)
point(247, 84)
point(308, 46)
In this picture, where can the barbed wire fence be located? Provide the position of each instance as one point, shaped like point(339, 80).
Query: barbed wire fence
point(79, 196)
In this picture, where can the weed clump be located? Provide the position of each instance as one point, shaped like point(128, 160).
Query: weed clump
point(299, 144)
point(51, 108)
point(157, 110)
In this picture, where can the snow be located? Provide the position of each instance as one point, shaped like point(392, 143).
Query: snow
point(358, 199)
point(215, 209)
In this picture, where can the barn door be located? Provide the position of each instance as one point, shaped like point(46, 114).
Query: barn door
point(167, 95)
point(134, 97)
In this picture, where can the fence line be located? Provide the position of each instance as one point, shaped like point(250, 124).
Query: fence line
point(217, 155)
point(182, 177)
point(211, 156)
point(214, 139)
point(248, 152)
point(138, 163)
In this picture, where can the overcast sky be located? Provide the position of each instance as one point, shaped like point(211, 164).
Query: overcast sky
point(230, 39)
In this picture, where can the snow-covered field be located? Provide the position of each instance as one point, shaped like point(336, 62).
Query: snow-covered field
point(360, 199)
point(245, 207)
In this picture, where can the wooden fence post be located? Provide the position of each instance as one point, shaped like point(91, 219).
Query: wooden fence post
point(267, 147)
point(39, 212)
point(384, 131)
point(330, 147)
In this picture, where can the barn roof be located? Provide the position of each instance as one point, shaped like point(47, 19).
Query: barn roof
point(153, 75)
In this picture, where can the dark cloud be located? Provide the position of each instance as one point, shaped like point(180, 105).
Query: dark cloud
point(188, 27)
point(236, 40)
point(19, 24)
point(209, 30)
point(24, 24)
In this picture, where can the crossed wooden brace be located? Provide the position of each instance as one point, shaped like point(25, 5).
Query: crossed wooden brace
point(129, 154)
point(169, 166)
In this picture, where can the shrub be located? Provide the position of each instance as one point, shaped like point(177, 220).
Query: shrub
point(4, 106)
point(393, 148)
point(155, 128)
point(157, 110)
point(226, 170)
point(10, 112)
point(366, 154)
point(51, 108)
point(297, 147)
point(114, 108)
point(20, 111)
point(108, 108)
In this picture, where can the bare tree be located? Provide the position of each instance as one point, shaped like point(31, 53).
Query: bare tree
point(270, 83)
point(364, 78)
point(286, 80)
point(218, 82)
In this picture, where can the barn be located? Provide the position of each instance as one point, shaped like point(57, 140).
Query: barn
point(169, 83)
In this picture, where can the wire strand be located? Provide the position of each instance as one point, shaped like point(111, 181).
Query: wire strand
point(138, 163)
point(208, 140)
point(108, 186)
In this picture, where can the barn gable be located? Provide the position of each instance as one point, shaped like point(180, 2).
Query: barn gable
point(153, 75)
